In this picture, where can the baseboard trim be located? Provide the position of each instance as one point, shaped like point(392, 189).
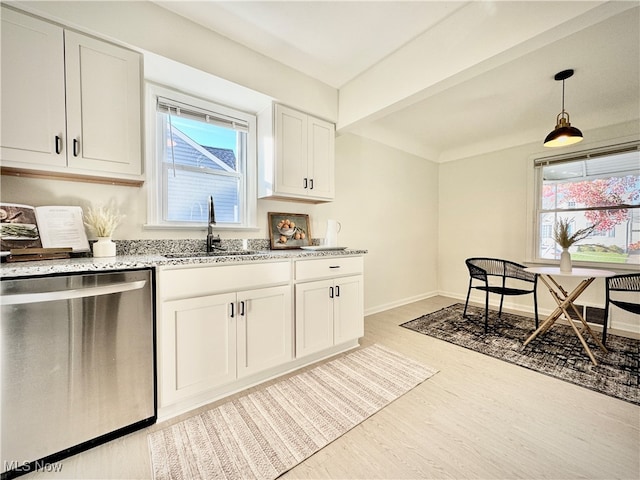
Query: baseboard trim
point(399, 303)
point(514, 308)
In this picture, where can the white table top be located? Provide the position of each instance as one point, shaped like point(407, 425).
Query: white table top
point(575, 272)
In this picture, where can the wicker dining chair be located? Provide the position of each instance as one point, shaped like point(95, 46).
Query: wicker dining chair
point(484, 270)
point(621, 283)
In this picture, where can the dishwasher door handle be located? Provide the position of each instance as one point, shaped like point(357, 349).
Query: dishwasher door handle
point(24, 298)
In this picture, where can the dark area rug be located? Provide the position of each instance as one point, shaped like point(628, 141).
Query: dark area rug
point(557, 353)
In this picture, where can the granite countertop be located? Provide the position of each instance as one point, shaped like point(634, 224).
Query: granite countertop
point(128, 262)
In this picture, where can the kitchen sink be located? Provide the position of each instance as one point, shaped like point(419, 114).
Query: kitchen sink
point(216, 253)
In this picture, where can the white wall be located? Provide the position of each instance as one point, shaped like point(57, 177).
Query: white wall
point(387, 202)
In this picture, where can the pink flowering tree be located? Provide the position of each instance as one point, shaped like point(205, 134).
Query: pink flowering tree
point(606, 192)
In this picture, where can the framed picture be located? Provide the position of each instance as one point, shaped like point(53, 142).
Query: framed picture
point(289, 230)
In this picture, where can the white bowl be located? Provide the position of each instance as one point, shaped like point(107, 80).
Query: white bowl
point(287, 232)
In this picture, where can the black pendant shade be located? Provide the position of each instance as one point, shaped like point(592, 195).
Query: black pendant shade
point(564, 134)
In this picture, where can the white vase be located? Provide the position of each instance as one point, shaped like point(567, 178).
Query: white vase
point(104, 247)
point(565, 261)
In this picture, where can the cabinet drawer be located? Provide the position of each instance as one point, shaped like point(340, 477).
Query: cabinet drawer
point(328, 267)
point(196, 281)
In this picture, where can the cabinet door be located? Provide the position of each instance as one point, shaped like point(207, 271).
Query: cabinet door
point(348, 309)
point(103, 106)
point(198, 346)
point(314, 317)
point(321, 159)
point(33, 108)
point(264, 329)
point(291, 152)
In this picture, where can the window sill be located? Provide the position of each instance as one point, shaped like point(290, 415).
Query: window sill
point(199, 228)
point(622, 267)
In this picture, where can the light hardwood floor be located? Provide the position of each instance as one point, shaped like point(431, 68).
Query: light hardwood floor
point(477, 418)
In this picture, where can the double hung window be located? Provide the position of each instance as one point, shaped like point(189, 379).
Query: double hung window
point(599, 187)
point(202, 149)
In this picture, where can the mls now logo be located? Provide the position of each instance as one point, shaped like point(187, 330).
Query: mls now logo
point(26, 467)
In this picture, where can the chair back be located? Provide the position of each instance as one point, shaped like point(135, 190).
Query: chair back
point(481, 267)
point(624, 283)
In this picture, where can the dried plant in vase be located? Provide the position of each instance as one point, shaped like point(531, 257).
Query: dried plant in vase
point(563, 237)
point(103, 221)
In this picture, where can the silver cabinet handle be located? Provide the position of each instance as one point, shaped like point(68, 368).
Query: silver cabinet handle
point(24, 298)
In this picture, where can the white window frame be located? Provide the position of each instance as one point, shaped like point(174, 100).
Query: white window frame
point(534, 196)
point(153, 185)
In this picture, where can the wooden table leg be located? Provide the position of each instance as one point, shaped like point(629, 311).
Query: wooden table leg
point(565, 300)
point(575, 329)
point(550, 320)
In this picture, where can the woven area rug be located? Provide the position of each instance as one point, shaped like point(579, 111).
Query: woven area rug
point(266, 433)
point(557, 353)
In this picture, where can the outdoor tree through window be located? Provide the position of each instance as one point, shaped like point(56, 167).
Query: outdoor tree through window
point(599, 188)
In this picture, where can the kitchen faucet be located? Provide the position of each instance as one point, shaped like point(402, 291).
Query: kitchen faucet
point(213, 242)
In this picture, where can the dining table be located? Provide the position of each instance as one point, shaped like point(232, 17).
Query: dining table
point(551, 277)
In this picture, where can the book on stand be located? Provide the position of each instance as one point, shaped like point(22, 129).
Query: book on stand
point(36, 233)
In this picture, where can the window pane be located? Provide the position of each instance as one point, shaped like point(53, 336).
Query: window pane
point(200, 145)
point(188, 196)
point(200, 160)
point(602, 191)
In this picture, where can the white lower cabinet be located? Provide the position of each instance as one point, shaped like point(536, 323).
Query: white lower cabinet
point(207, 341)
point(264, 329)
point(329, 311)
point(224, 328)
point(199, 346)
point(213, 340)
point(348, 309)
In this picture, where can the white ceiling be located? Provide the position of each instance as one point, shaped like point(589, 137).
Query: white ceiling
point(504, 99)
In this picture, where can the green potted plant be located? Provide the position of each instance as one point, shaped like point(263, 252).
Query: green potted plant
point(563, 237)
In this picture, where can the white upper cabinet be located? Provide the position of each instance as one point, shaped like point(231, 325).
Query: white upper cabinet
point(33, 104)
point(70, 103)
point(103, 106)
point(297, 157)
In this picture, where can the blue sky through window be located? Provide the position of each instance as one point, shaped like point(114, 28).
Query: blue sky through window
point(206, 134)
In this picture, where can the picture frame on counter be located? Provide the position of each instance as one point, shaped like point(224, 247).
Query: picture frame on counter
point(289, 230)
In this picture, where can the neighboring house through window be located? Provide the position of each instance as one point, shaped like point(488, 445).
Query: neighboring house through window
point(201, 149)
point(598, 187)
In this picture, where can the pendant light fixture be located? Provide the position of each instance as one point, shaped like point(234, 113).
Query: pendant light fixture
point(564, 134)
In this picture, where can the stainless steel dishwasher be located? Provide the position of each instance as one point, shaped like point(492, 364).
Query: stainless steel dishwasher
point(78, 364)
